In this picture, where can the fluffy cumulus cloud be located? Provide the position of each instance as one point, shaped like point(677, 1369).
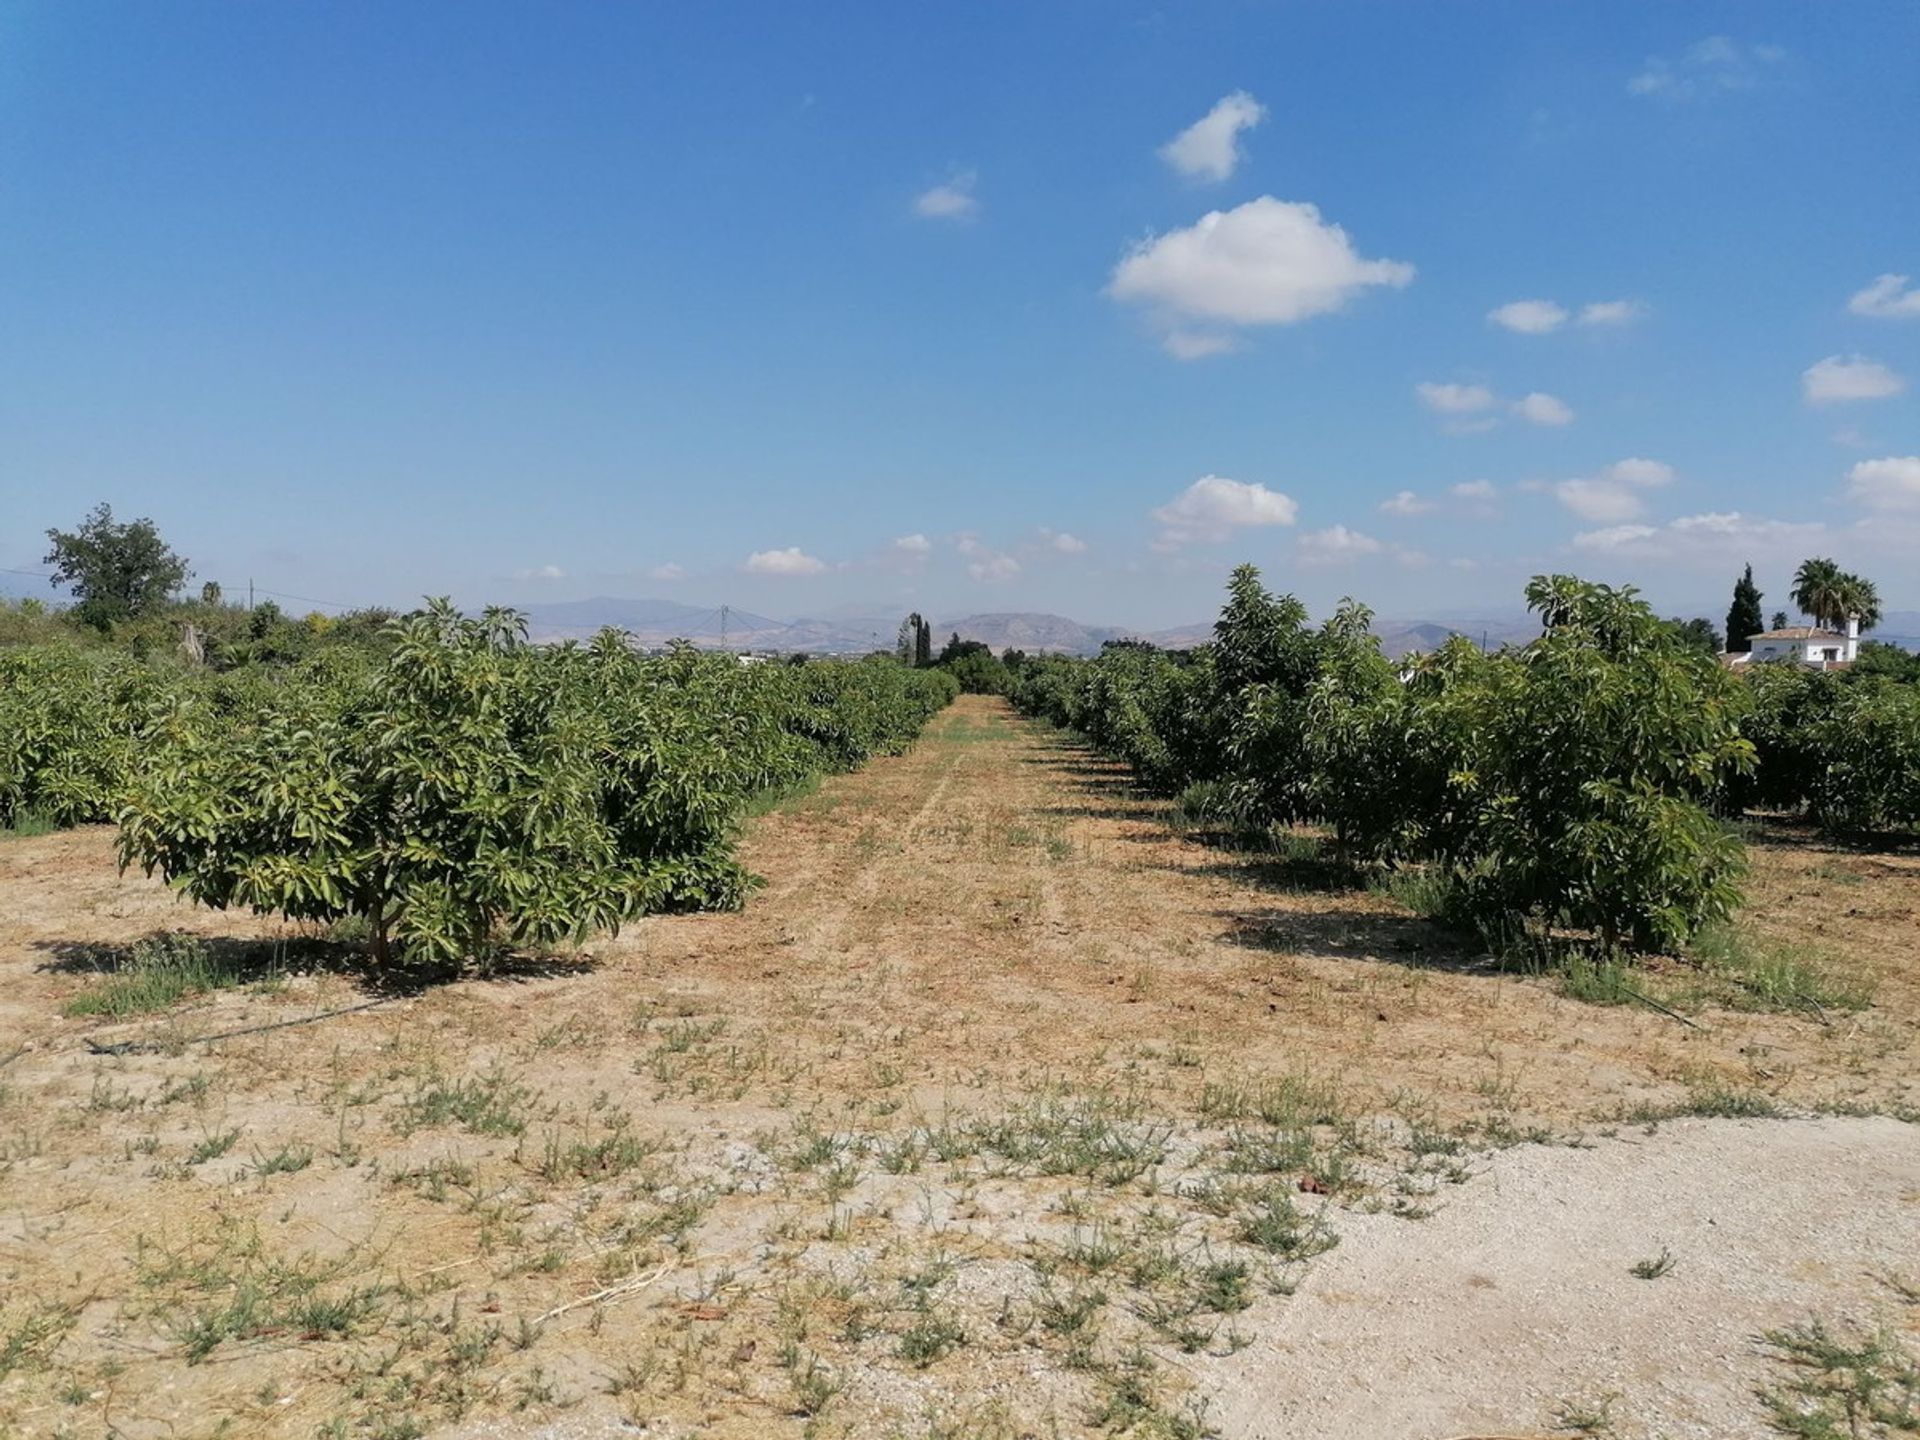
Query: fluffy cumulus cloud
point(915, 544)
point(1209, 149)
point(1267, 262)
point(1405, 502)
point(790, 561)
point(1713, 67)
point(1477, 490)
point(1615, 493)
point(1543, 409)
point(541, 572)
point(668, 571)
point(1889, 484)
point(1840, 378)
point(1212, 508)
point(1528, 317)
point(1466, 406)
point(1889, 297)
point(1607, 313)
point(953, 200)
point(1452, 399)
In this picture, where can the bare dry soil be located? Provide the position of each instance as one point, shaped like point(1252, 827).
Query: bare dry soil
point(1004, 1109)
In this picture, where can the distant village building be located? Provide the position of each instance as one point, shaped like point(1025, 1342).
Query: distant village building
point(1804, 645)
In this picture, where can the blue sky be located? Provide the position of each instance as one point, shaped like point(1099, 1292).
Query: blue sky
point(801, 307)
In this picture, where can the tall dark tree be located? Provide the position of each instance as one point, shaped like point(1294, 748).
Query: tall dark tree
point(923, 646)
point(116, 572)
point(1745, 619)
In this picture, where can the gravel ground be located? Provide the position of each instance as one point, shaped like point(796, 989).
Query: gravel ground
point(1518, 1296)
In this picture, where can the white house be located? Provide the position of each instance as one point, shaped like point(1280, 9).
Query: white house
point(1806, 644)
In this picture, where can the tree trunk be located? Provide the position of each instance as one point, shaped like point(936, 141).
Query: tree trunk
point(378, 947)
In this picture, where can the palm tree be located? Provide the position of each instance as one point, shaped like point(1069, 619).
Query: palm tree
point(1859, 600)
point(1818, 587)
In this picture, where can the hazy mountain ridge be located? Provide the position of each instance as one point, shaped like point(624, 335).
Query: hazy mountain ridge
point(654, 622)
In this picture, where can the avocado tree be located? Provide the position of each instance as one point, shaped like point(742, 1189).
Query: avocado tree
point(464, 789)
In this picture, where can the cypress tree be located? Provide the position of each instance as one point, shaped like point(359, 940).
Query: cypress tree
point(1745, 619)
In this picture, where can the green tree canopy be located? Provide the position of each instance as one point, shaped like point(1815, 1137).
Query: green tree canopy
point(1697, 632)
point(115, 571)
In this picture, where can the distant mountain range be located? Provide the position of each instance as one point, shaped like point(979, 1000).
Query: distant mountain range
point(849, 631)
point(858, 628)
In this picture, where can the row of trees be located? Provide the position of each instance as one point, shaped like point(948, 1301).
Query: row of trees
point(455, 788)
point(1574, 782)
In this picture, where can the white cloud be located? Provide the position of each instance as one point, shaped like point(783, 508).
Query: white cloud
point(1889, 484)
point(1405, 502)
point(1598, 499)
point(1529, 317)
point(1849, 377)
point(1724, 533)
point(1267, 262)
point(668, 571)
point(905, 554)
point(1636, 471)
point(541, 572)
point(985, 562)
point(1474, 490)
point(994, 567)
point(1614, 493)
point(1888, 298)
point(1611, 312)
point(1209, 149)
point(954, 200)
point(1336, 545)
point(1212, 508)
point(1614, 537)
point(790, 561)
point(1061, 541)
point(1198, 344)
point(1541, 409)
point(1450, 399)
point(1714, 66)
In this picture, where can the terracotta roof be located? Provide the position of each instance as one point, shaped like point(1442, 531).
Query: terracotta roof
point(1799, 632)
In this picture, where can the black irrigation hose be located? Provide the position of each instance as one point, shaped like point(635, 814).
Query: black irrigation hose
point(134, 1047)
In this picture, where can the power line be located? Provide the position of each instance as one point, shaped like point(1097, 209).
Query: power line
point(307, 600)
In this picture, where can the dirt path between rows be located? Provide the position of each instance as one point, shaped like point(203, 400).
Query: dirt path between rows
point(962, 1127)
